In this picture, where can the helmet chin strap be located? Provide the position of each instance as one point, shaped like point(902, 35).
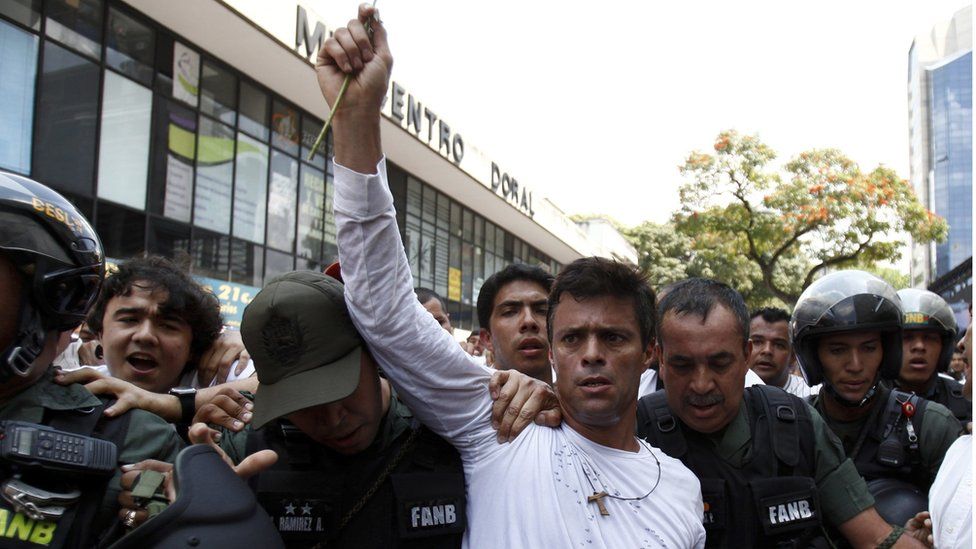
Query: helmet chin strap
point(852, 403)
point(18, 358)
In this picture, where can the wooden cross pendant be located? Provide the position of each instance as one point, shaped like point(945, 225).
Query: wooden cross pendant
point(598, 498)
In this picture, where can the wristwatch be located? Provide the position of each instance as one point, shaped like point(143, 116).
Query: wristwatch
point(188, 404)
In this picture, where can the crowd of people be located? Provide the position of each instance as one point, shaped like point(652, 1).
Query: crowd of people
point(586, 411)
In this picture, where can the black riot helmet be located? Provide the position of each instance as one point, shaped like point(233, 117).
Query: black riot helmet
point(61, 258)
point(925, 310)
point(846, 301)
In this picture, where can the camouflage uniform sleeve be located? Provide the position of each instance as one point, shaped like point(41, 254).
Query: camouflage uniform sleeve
point(843, 493)
point(938, 431)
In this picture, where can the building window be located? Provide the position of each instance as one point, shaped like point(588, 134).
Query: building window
point(130, 47)
point(76, 24)
point(18, 69)
point(250, 189)
point(210, 255)
point(215, 174)
point(311, 213)
point(123, 151)
point(176, 143)
point(122, 231)
point(246, 263)
point(25, 12)
point(218, 93)
point(282, 199)
point(311, 127)
point(168, 238)
point(64, 145)
point(254, 111)
point(277, 263)
point(284, 123)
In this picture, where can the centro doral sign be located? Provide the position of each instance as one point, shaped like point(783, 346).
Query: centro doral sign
point(422, 122)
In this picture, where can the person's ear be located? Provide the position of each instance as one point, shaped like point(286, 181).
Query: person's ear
point(485, 337)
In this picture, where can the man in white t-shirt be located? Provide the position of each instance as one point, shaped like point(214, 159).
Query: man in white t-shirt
point(772, 353)
point(589, 483)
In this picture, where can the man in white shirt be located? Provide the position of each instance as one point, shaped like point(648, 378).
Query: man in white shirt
point(772, 354)
point(589, 483)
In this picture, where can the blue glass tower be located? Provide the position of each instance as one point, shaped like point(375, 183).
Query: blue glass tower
point(951, 141)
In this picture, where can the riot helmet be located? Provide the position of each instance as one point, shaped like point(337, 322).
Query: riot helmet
point(846, 301)
point(61, 258)
point(925, 310)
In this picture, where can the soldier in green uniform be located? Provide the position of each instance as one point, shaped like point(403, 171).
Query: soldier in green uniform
point(928, 340)
point(355, 469)
point(846, 329)
point(772, 473)
point(51, 267)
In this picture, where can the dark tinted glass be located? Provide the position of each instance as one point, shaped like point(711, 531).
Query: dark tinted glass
point(167, 237)
point(76, 23)
point(246, 263)
point(130, 47)
point(64, 144)
point(25, 12)
point(123, 231)
point(218, 92)
point(210, 255)
point(278, 263)
point(254, 111)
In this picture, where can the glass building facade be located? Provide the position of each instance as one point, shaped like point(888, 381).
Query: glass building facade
point(951, 141)
point(168, 150)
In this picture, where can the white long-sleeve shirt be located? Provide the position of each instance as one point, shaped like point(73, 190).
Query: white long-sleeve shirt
point(533, 491)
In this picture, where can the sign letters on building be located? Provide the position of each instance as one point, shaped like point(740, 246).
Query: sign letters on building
point(423, 123)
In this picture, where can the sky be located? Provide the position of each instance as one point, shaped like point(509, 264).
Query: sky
point(595, 104)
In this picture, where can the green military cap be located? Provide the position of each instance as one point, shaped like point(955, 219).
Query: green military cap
point(305, 348)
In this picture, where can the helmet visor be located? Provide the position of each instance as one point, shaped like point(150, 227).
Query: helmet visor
point(66, 295)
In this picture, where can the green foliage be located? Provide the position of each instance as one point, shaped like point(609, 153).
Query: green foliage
point(769, 234)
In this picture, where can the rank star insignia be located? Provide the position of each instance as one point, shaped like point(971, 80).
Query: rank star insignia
point(306, 509)
point(290, 509)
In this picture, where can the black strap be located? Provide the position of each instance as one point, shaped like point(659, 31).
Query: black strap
point(654, 412)
point(783, 425)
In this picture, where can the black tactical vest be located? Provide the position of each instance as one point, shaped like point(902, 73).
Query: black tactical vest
point(948, 392)
point(309, 491)
point(80, 526)
point(890, 447)
point(772, 500)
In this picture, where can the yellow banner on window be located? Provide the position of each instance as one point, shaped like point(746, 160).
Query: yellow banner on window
point(454, 284)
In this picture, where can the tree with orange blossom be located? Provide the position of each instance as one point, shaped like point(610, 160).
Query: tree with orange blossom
point(781, 229)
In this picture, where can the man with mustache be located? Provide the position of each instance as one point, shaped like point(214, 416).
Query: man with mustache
point(771, 471)
point(772, 353)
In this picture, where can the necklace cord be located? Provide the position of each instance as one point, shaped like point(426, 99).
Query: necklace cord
point(587, 467)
